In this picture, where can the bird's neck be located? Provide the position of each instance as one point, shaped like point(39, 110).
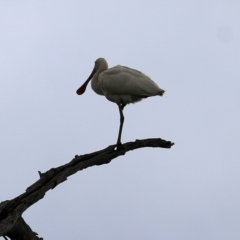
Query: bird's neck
point(95, 84)
point(95, 81)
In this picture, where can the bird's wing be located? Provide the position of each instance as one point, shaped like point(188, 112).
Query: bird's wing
point(122, 80)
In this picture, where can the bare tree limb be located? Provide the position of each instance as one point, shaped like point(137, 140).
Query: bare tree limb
point(11, 222)
point(21, 231)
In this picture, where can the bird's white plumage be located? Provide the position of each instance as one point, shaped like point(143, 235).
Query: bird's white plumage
point(125, 85)
point(120, 82)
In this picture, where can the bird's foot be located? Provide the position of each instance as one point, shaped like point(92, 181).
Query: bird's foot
point(115, 148)
point(111, 148)
point(119, 147)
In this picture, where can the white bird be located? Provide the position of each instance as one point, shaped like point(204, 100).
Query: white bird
point(121, 85)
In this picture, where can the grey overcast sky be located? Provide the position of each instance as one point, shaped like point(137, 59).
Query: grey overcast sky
point(191, 49)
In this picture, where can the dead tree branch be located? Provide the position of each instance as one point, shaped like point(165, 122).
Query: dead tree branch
point(12, 224)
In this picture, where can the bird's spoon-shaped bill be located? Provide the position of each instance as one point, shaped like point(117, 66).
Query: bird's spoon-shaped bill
point(82, 89)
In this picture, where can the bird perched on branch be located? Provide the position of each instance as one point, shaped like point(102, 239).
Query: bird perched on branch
point(121, 85)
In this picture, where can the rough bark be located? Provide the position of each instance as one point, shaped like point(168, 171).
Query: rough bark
point(12, 224)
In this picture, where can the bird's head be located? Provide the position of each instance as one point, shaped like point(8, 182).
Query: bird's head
point(100, 66)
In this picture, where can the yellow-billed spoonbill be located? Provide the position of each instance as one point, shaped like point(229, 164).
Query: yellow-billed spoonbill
point(121, 85)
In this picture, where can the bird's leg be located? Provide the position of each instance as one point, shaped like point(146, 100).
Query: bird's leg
point(123, 105)
point(119, 144)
